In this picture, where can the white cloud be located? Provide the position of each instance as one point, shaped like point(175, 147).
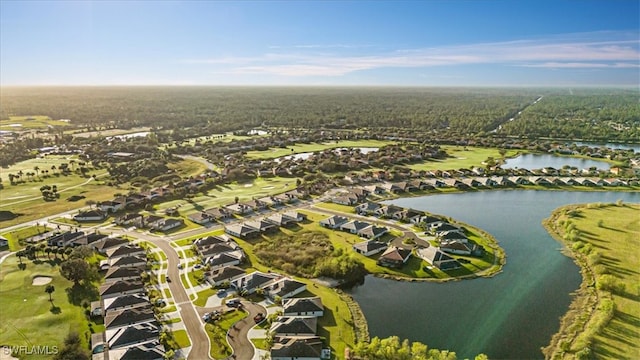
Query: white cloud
point(587, 50)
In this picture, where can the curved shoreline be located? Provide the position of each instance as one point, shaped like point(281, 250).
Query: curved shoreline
point(593, 306)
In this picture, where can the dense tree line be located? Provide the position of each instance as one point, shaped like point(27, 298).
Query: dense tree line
point(216, 110)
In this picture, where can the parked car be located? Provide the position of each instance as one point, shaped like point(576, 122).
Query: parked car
point(168, 279)
point(258, 318)
point(235, 302)
point(221, 292)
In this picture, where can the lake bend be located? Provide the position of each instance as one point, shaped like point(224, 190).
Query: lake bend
point(509, 316)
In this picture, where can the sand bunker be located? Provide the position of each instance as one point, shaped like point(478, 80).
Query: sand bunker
point(41, 280)
point(267, 188)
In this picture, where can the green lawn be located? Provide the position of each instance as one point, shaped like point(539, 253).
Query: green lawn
point(203, 296)
point(16, 236)
point(187, 167)
point(28, 318)
point(462, 157)
point(607, 243)
point(302, 148)
point(260, 344)
point(181, 338)
point(18, 123)
point(226, 194)
point(337, 207)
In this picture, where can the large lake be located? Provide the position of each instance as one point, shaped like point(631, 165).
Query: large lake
point(511, 315)
point(539, 161)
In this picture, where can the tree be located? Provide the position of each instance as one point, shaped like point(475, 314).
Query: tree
point(20, 254)
point(72, 349)
point(75, 270)
point(49, 290)
point(37, 170)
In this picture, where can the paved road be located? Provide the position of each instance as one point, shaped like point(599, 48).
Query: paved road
point(237, 336)
point(194, 326)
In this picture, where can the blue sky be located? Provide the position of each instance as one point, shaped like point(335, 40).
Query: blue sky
point(412, 43)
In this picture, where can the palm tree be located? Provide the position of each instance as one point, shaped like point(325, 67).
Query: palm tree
point(49, 290)
point(53, 168)
point(48, 251)
point(20, 173)
point(60, 251)
point(37, 169)
point(20, 254)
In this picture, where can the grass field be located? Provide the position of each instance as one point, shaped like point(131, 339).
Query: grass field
point(28, 318)
point(187, 167)
point(462, 157)
point(223, 195)
point(607, 243)
point(301, 148)
point(18, 123)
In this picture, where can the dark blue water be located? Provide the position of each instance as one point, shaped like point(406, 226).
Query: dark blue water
point(511, 315)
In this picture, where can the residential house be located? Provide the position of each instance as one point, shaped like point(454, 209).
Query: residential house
point(255, 205)
point(298, 216)
point(369, 248)
point(294, 326)
point(128, 301)
point(122, 273)
point(129, 317)
point(126, 336)
point(225, 259)
point(200, 218)
point(285, 288)
point(120, 288)
point(203, 243)
point(452, 235)
point(297, 348)
point(354, 226)
point(64, 239)
point(90, 215)
point(112, 206)
point(460, 248)
point(125, 250)
point(147, 351)
point(367, 208)
point(218, 213)
point(128, 261)
point(438, 258)
point(130, 219)
point(394, 257)
point(372, 232)
point(375, 189)
point(261, 225)
point(280, 220)
point(225, 274)
point(388, 211)
point(311, 306)
point(251, 282)
point(393, 188)
point(409, 215)
point(87, 240)
point(165, 225)
point(333, 222)
point(239, 208)
point(345, 199)
point(241, 230)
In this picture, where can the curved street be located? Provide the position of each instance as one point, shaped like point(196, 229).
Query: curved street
point(237, 335)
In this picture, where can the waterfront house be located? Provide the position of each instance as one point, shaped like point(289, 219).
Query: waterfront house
point(294, 326)
point(369, 247)
point(297, 348)
point(311, 306)
point(394, 257)
point(438, 258)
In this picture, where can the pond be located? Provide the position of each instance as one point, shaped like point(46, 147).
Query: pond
point(634, 147)
point(539, 161)
point(511, 315)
